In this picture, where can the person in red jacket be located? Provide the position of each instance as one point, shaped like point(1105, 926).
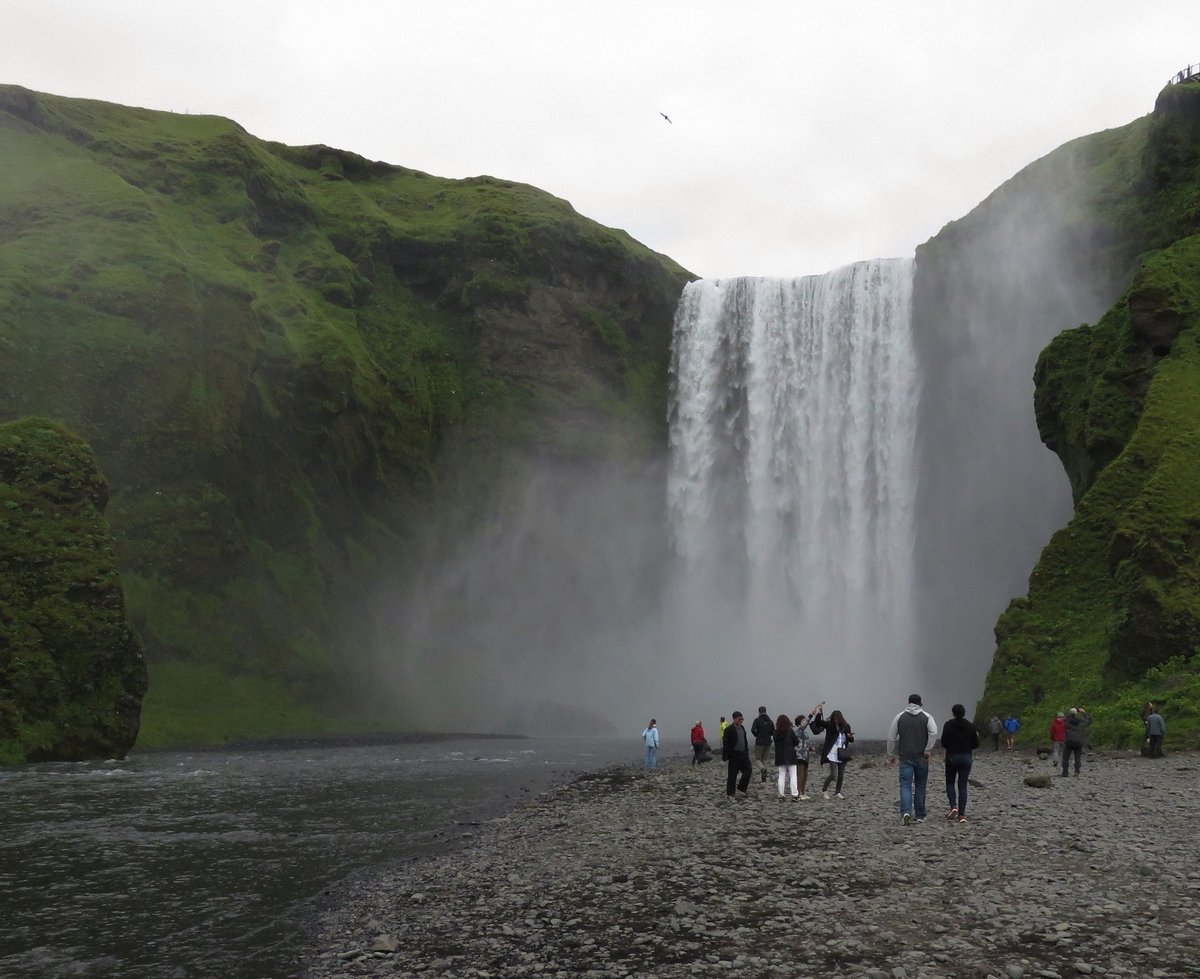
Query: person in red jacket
point(699, 742)
point(1058, 733)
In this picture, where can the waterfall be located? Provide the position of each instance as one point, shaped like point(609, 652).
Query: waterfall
point(792, 481)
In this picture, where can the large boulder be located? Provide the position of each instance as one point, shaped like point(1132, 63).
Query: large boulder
point(72, 674)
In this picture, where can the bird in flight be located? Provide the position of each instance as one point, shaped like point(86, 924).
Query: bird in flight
point(667, 117)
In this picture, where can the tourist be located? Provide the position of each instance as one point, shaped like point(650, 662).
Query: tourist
point(803, 752)
point(787, 741)
point(910, 740)
point(721, 729)
point(699, 742)
point(837, 736)
point(650, 739)
point(764, 737)
point(735, 749)
point(1156, 729)
point(1058, 728)
point(1076, 724)
point(1011, 724)
point(960, 739)
point(995, 726)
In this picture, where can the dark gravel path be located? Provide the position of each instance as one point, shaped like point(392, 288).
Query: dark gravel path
point(628, 874)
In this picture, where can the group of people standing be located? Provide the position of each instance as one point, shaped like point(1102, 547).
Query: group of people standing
point(786, 743)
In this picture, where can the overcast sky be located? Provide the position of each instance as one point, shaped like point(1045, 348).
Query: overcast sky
point(804, 135)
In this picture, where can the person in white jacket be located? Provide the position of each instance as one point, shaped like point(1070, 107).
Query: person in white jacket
point(910, 739)
point(650, 739)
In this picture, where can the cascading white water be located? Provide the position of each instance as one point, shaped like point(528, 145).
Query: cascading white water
point(792, 479)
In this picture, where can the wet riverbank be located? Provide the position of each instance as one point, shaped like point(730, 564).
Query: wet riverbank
point(195, 864)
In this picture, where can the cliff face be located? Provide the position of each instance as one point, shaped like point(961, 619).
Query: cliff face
point(290, 361)
point(1044, 252)
point(72, 674)
point(1112, 615)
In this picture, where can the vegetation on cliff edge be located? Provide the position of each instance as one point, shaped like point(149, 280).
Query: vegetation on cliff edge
point(1112, 617)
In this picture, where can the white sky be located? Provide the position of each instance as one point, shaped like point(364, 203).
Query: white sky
point(805, 135)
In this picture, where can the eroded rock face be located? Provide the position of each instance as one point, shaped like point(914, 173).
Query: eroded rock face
point(72, 673)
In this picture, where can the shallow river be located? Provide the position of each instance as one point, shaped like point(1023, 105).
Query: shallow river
point(210, 864)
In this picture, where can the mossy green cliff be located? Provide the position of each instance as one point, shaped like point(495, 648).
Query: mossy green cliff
point(288, 361)
point(1112, 616)
point(72, 673)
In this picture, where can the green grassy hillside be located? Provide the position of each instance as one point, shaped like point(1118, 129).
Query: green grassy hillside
point(286, 360)
point(1112, 617)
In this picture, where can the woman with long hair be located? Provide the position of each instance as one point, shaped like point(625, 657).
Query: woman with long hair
point(802, 753)
point(837, 736)
point(786, 743)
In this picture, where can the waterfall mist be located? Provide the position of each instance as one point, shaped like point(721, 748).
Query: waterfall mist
point(791, 491)
point(854, 491)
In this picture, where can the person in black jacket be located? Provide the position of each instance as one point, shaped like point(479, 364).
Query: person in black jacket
point(735, 749)
point(763, 731)
point(787, 741)
point(960, 739)
point(837, 735)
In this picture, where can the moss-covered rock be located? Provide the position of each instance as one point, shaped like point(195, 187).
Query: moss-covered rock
point(72, 673)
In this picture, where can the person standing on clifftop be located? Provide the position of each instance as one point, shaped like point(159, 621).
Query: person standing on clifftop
point(1075, 734)
point(735, 749)
point(650, 739)
point(764, 740)
point(910, 739)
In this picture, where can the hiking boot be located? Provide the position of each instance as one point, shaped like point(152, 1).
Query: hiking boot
point(907, 819)
point(824, 795)
point(953, 813)
point(838, 795)
point(803, 797)
point(920, 819)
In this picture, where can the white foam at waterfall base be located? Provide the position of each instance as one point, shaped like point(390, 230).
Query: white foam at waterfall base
point(791, 492)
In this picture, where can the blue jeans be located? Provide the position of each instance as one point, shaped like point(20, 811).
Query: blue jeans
point(650, 758)
point(958, 769)
point(914, 776)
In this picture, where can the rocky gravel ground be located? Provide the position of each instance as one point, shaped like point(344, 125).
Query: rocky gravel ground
point(638, 874)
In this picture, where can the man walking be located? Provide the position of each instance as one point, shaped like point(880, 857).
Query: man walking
point(910, 739)
point(735, 749)
point(763, 730)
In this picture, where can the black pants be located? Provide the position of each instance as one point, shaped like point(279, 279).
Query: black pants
point(738, 764)
point(1156, 745)
point(1077, 751)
